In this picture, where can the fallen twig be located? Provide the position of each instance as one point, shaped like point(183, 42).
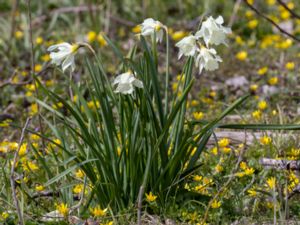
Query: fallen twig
point(280, 164)
point(271, 21)
point(283, 4)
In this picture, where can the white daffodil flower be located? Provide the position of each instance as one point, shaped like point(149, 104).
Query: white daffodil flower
point(187, 46)
point(151, 26)
point(213, 32)
point(126, 83)
point(63, 54)
point(207, 59)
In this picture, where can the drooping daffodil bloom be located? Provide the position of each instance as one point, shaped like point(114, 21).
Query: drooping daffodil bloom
point(150, 27)
point(207, 59)
point(63, 54)
point(126, 83)
point(187, 46)
point(213, 32)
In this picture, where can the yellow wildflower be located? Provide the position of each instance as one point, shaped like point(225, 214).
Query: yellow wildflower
point(252, 24)
point(242, 55)
point(63, 209)
point(243, 165)
point(216, 204)
point(271, 2)
point(226, 150)
point(39, 188)
point(91, 36)
point(290, 65)
point(137, 29)
point(262, 71)
point(273, 80)
point(19, 34)
point(219, 168)
point(178, 35)
point(224, 142)
point(79, 173)
point(45, 58)
point(271, 182)
point(78, 189)
point(256, 114)
point(214, 151)
point(265, 140)
point(39, 40)
point(262, 105)
point(252, 192)
point(38, 68)
point(198, 115)
point(150, 197)
point(4, 215)
point(23, 150)
point(197, 178)
point(249, 171)
point(98, 212)
point(101, 40)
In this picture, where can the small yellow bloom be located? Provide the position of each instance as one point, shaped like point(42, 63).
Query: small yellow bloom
point(290, 65)
point(101, 40)
point(78, 189)
point(198, 115)
point(243, 165)
point(19, 34)
point(79, 173)
point(249, 171)
point(291, 5)
point(286, 44)
point(39, 188)
point(23, 150)
point(226, 150)
point(219, 168)
point(137, 29)
point(45, 58)
point(256, 114)
point(33, 109)
point(214, 151)
point(216, 204)
point(250, 2)
point(271, 182)
point(63, 209)
point(249, 14)
point(262, 71)
point(5, 215)
point(30, 166)
point(271, 2)
point(252, 192)
point(262, 105)
point(194, 103)
point(239, 40)
point(253, 87)
point(273, 81)
point(91, 36)
point(197, 178)
point(178, 35)
point(242, 56)
point(151, 197)
point(285, 15)
point(34, 137)
point(252, 24)
point(265, 140)
point(38, 68)
point(39, 40)
point(224, 142)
